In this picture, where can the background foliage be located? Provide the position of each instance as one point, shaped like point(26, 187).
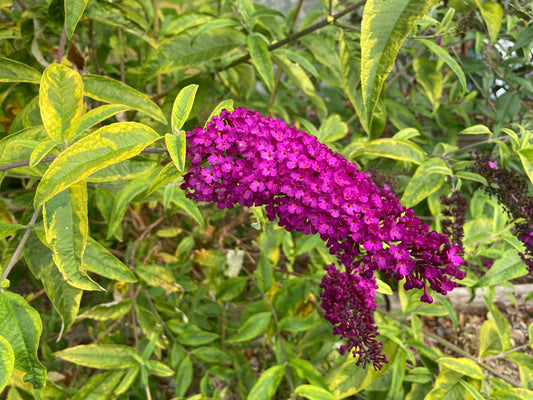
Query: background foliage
point(115, 285)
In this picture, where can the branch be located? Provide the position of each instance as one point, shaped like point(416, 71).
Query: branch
point(21, 244)
point(297, 35)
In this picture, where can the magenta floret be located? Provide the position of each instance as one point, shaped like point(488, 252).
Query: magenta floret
point(244, 158)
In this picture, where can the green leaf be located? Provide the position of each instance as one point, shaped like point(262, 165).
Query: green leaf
point(427, 179)
point(125, 170)
point(60, 99)
point(324, 52)
point(298, 58)
point(232, 288)
point(398, 374)
point(129, 378)
point(383, 287)
point(299, 77)
point(105, 146)
point(7, 229)
point(64, 297)
point(182, 108)
point(384, 27)
point(100, 386)
point(73, 11)
point(7, 362)
point(350, 57)
point(509, 266)
point(41, 150)
point(473, 391)
point(260, 55)
point(156, 275)
point(197, 337)
point(443, 54)
point(471, 176)
point(525, 367)
point(406, 134)
point(490, 342)
point(92, 118)
point(116, 15)
point(501, 322)
point(462, 365)
point(159, 369)
point(167, 174)
point(15, 71)
point(252, 327)
point(102, 356)
point(308, 371)
point(184, 375)
point(109, 90)
point(178, 52)
point(295, 324)
point(176, 147)
point(107, 311)
point(492, 13)
point(215, 24)
point(313, 392)
point(266, 385)
point(211, 354)
point(396, 149)
point(66, 229)
point(476, 130)
point(332, 129)
point(430, 77)
point(189, 206)
point(223, 105)
point(11, 149)
point(99, 260)
point(124, 197)
point(21, 327)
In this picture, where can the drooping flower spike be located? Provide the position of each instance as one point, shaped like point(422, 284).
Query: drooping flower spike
point(244, 158)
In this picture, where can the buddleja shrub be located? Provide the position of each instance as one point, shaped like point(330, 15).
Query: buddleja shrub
point(232, 234)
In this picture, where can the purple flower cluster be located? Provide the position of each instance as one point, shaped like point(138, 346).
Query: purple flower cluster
point(244, 158)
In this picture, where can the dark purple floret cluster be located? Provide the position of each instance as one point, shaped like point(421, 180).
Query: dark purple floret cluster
point(512, 191)
point(244, 158)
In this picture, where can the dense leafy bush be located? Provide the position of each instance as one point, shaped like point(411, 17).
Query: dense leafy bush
point(157, 243)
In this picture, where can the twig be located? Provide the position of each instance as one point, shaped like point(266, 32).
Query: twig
point(492, 140)
point(20, 246)
point(93, 48)
point(62, 43)
point(121, 55)
point(501, 355)
point(157, 96)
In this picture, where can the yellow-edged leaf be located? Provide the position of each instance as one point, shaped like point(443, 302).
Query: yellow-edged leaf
point(105, 146)
point(66, 229)
point(60, 99)
point(109, 90)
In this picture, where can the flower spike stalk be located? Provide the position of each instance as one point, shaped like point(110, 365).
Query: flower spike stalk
point(244, 158)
